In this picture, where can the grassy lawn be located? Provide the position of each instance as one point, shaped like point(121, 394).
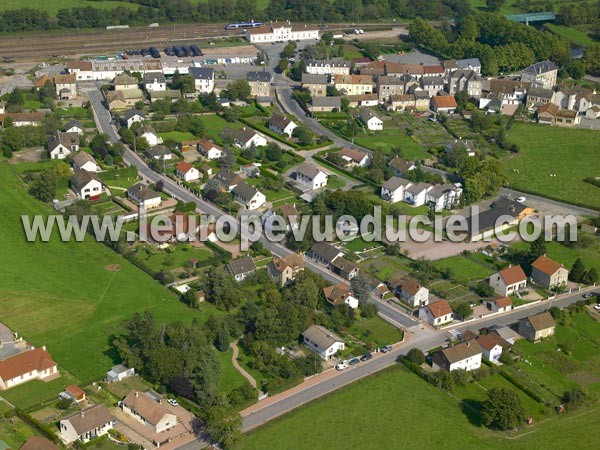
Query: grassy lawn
point(16, 433)
point(167, 259)
point(215, 126)
point(566, 255)
point(53, 6)
point(506, 8)
point(572, 34)
point(230, 377)
point(571, 154)
point(386, 267)
point(351, 52)
point(377, 331)
point(32, 104)
point(335, 182)
point(177, 136)
point(385, 142)
point(61, 295)
point(463, 269)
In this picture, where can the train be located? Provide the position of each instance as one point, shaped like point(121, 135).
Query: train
point(235, 26)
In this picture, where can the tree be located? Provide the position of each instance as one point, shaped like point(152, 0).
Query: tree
point(463, 310)
point(283, 65)
point(239, 90)
point(289, 49)
point(502, 409)
point(184, 83)
point(577, 271)
point(415, 356)
point(591, 276)
point(537, 248)
point(575, 399)
point(303, 134)
point(223, 424)
point(494, 5)
point(43, 186)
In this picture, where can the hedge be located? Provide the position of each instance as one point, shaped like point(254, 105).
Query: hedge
point(41, 428)
point(524, 388)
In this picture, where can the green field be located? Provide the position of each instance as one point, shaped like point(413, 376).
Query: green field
point(14, 434)
point(215, 126)
point(171, 259)
point(177, 136)
point(463, 269)
point(566, 255)
point(53, 6)
point(386, 140)
point(571, 154)
point(570, 33)
point(507, 8)
point(230, 377)
point(61, 294)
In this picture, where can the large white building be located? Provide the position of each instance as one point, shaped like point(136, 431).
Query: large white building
point(282, 32)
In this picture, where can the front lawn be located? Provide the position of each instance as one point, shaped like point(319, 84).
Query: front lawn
point(177, 136)
point(230, 377)
point(176, 255)
point(411, 150)
point(215, 126)
point(463, 269)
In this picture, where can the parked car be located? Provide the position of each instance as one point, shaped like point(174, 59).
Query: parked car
point(341, 366)
point(597, 307)
point(587, 295)
point(172, 402)
point(354, 361)
point(366, 357)
point(386, 348)
point(521, 199)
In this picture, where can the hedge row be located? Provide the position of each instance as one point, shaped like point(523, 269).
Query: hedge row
point(41, 428)
point(524, 388)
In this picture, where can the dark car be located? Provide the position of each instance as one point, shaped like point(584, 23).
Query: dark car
point(366, 357)
point(354, 361)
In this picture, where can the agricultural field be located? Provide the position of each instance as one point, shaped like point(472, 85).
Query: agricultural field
point(546, 150)
point(53, 6)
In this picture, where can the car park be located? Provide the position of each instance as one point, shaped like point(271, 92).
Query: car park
point(366, 357)
point(354, 361)
point(341, 366)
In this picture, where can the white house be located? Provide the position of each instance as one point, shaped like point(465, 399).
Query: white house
point(86, 185)
point(355, 157)
point(155, 82)
point(310, 175)
point(74, 126)
point(445, 196)
point(144, 196)
point(371, 121)
point(210, 150)
point(339, 294)
point(490, 346)
point(413, 293)
point(437, 313)
point(86, 425)
point(246, 138)
point(132, 116)
point(204, 79)
point(149, 133)
point(65, 86)
point(160, 153)
point(119, 372)
point(499, 303)
point(393, 190)
point(282, 125)
point(333, 66)
point(149, 411)
point(85, 161)
point(60, 145)
point(248, 196)
point(509, 281)
point(282, 31)
point(187, 172)
point(240, 268)
point(464, 356)
point(33, 364)
point(416, 194)
point(322, 341)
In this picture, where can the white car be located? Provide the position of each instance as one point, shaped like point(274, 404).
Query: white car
point(341, 366)
point(597, 307)
point(521, 199)
point(172, 402)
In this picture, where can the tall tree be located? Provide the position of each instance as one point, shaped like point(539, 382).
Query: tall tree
point(502, 409)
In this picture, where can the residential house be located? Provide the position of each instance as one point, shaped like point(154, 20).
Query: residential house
point(491, 346)
point(416, 194)
point(187, 172)
point(465, 80)
point(282, 125)
point(285, 270)
point(322, 341)
point(326, 104)
point(28, 119)
point(566, 118)
point(240, 268)
point(148, 411)
point(499, 303)
point(75, 393)
point(443, 103)
point(119, 373)
point(204, 79)
point(432, 85)
point(339, 294)
point(119, 100)
point(86, 185)
point(509, 281)
point(315, 83)
point(433, 70)
point(353, 84)
point(251, 170)
point(86, 425)
point(325, 253)
point(452, 65)
point(463, 356)
point(548, 273)
point(422, 100)
point(245, 137)
point(387, 86)
point(542, 74)
point(593, 112)
point(412, 293)
point(210, 150)
point(282, 31)
point(38, 443)
point(260, 83)
point(537, 327)
point(356, 101)
point(546, 114)
point(355, 158)
point(81, 69)
point(400, 166)
point(85, 161)
point(60, 145)
point(132, 116)
point(310, 175)
point(333, 66)
point(537, 96)
point(444, 196)
point(144, 196)
point(344, 268)
point(437, 313)
point(160, 153)
point(124, 82)
point(228, 180)
point(374, 69)
point(503, 213)
point(66, 86)
point(372, 122)
point(149, 133)
point(248, 196)
point(74, 126)
point(155, 82)
point(394, 189)
point(404, 102)
point(190, 147)
point(32, 364)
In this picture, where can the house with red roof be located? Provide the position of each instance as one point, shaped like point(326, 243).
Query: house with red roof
point(509, 281)
point(34, 364)
point(548, 273)
point(499, 303)
point(187, 172)
point(437, 313)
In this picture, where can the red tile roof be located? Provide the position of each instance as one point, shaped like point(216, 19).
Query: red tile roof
point(38, 359)
point(75, 391)
point(546, 265)
point(439, 308)
point(184, 167)
point(513, 275)
point(502, 302)
point(444, 101)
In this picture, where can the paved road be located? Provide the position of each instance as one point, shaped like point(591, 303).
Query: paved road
point(549, 206)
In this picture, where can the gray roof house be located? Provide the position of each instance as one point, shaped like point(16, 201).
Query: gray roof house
point(322, 341)
point(87, 424)
point(325, 253)
point(240, 268)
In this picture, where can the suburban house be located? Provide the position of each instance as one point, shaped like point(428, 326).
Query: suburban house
point(281, 31)
point(132, 116)
point(549, 273)
point(539, 326)
point(509, 281)
point(27, 119)
point(322, 341)
point(187, 172)
point(355, 158)
point(86, 185)
point(494, 220)
point(155, 82)
point(160, 153)
point(33, 364)
point(282, 125)
point(245, 137)
point(546, 114)
point(60, 145)
point(86, 425)
point(124, 82)
point(353, 84)
point(416, 193)
point(66, 86)
point(38, 443)
point(149, 133)
point(339, 294)
point(240, 268)
point(148, 411)
point(326, 104)
point(491, 346)
point(260, 83)
point(444, 196)
point(499, 303)
point(315, 83)
point(332, 66)
point(75, 393)
point(437, 313)
point(400, 166)
point(85, 161)
point(344, 268)
point(325, 253)
point(372, 122)
point(119, 372)
point(144, 196)
point(393, 190)
point(356, 101)
point(204, 79)
point(310, 175)
point(81, 69)
point(412, 293)
point(210, 150)
point(567, 118)
point(463, 356)
point(190, 147)
point(248, 196)
point(537, 96)
point(229, 180)
point(443, 103)
point(74, 126)
point(542, 74)
point(285, 270)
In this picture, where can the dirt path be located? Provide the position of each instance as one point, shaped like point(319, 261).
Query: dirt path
point(240, 369)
